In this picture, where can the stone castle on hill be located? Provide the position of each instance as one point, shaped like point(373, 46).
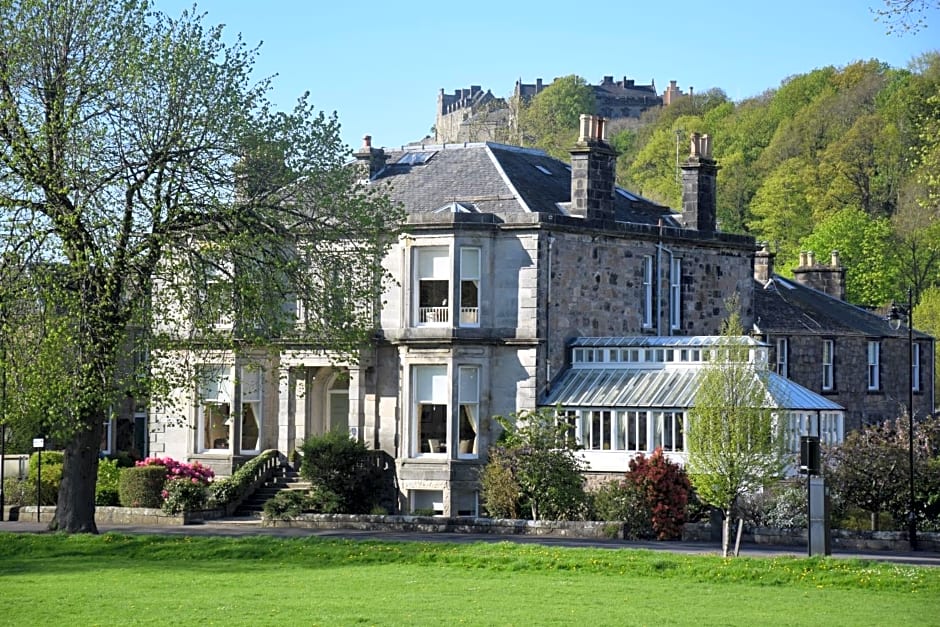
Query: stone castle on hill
point(472, 115)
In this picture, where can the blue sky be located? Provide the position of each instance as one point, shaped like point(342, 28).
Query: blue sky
point(380, 65)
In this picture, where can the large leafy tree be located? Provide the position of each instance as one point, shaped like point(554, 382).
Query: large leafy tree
point(550, 120)
point(143, 170)
point(734, 441)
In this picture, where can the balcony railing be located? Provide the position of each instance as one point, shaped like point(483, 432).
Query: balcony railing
point(469, 315)
point(433, 315)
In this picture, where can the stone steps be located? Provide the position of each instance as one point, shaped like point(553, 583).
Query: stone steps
point(287, 479)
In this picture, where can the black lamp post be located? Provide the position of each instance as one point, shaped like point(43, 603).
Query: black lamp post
point(894, 320)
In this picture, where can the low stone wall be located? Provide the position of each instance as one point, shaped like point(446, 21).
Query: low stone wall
point(434, 524)
point(840, 538)
point(118, 515)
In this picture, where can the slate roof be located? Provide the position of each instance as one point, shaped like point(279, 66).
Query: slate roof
point(785, 307)
point(498, 179)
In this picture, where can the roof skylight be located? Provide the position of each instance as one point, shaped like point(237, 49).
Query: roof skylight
point(417, 157)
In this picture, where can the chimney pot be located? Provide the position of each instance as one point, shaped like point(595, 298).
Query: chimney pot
point(834, 259)
point(367, 141)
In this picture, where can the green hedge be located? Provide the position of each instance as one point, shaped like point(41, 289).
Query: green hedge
point(107, 486)
point(231, 489)
point(141, 486)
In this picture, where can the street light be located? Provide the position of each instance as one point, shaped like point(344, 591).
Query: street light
point(894, 321)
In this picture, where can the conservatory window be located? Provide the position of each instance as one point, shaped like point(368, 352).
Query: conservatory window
point(669, 431)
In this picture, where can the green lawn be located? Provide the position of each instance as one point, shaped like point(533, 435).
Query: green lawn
point(119, 580)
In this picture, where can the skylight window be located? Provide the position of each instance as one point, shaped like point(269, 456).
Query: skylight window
point(543, 170)
point(416, 157)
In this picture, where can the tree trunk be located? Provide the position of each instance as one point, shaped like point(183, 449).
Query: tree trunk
point(725, 533)
point(75, 510)
point(874, 521)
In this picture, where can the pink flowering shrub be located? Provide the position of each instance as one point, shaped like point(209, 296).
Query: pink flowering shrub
point(175, 469)
point(185, 485)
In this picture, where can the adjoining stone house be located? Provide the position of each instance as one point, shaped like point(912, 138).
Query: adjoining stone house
point(508, 256)
point(845, 353)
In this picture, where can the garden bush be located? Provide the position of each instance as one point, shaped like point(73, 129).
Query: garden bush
point(666, 487)
point(625, 501)
point(532, 449)
point(500, 491)
point(285, 505)
point(51, 477)
point(781, 506)
point(109, 478)
point(336, 463)
point(182, 494)
point(142, 486)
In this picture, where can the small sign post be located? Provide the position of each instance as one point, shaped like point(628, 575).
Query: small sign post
point(38, 444)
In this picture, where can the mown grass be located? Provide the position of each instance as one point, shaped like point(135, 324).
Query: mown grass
point(119, 580)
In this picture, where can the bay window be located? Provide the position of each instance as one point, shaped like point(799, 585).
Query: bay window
point(469, 287)
point(430, 402)
point(432, 278)
point(468, 395)
point(437, 299)
point(218, 393)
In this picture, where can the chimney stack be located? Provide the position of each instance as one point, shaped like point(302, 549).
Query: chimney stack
point(699, 173)
point(593, 171)
point(764, 264)
point(368, 159)
point(829, 279)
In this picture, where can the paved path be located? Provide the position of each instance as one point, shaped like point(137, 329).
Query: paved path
point(236, 527)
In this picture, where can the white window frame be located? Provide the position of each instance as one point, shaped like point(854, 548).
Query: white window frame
point(468, 398)
point(647, 291)
point(828, 365)
point(434, 391)
point(432, 263)
point(470, 271)
point(783, 364)
point(675, 293)
point(874, 365)
point(671, 423)
point(223, 393)
point(915, 367)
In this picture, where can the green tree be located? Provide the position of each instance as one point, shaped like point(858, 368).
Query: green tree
point(866, 249)
point(532, 467)
point(550, 120)
point(782, 211)
point(927, 319)
point(121, 130)
point(735, 445)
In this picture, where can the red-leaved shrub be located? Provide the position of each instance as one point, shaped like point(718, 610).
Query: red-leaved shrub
point(666, 487)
